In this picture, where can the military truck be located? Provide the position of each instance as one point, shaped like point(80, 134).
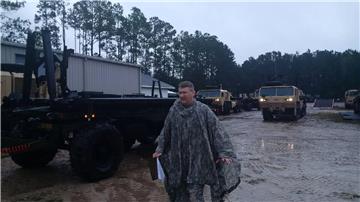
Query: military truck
point(219, 100)
point(349, 98)
point(95, 128)
point(281, 101)
point(250, 101)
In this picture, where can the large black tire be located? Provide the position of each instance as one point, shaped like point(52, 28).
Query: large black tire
point(96, 152)
point(357, 110)
point(357, 106)
point(227, 107)
point(237, 109)
point(293, 118)
point(303, 109)
point(298, 114)
point(267, 116)
point(304, 112)
point(247, 106)
point(34, 159)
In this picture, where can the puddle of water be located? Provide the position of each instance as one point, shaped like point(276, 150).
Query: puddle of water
point(275, 144)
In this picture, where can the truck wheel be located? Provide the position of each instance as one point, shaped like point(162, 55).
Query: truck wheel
point(237, 109)
point(34, 159)
point(227, 107)
point(297, 115)
point(267, 116)
point(357, 109)
point(357, 106)
point(246, 106)
point(96, 152)
point(304, 112)
point(249, 107)
point(293, 118)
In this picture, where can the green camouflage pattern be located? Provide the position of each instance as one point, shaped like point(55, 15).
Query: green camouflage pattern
point(191, 140)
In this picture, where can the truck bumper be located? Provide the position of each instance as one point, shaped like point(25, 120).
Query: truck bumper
point(283, 112)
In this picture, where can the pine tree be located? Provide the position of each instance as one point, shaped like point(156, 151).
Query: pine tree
point(47, 14)
point(13, 29)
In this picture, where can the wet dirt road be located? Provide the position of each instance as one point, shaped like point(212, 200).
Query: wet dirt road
point(314, 159)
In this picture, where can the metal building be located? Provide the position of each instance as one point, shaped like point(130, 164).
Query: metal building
point(85, 73)
point(12, 53)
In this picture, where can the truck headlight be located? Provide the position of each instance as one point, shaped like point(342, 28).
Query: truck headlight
point(217, 100)
point(290, 99)
point(262, 100)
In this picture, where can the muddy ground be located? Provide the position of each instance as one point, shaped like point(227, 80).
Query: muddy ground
point(316, 158)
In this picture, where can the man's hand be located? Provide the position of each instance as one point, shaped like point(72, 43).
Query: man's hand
point(226, 160)
point(156, 154)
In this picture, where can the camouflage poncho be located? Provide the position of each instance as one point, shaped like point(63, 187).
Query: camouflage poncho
point(190, 142)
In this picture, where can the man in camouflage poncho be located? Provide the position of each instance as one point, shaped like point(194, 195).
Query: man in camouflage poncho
point(191, 142)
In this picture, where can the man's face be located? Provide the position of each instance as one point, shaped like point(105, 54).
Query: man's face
point(186, 95)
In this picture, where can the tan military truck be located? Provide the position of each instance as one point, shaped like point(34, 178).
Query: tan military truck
point(349, 98)
point(219, 100)
point(282, 101)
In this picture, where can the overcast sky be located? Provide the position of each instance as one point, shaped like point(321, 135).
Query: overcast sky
point(251, 29)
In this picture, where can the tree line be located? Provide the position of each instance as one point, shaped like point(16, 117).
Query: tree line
point(102, 29)
point(325, 73)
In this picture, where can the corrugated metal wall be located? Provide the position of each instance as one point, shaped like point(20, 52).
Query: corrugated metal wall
point(8, 53)
point(87, 73)
point(92, 74)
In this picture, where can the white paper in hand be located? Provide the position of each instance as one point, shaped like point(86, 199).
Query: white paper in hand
point(160, 171)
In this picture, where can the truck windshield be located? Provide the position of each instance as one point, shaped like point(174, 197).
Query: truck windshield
point(209, 93)
point(268, 92)
point(352, 93)
point(277, 91)
point(284, 91)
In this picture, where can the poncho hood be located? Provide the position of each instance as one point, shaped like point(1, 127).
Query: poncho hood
point(184, 111)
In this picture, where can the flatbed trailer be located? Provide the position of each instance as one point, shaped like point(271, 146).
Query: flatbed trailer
point(96, 128)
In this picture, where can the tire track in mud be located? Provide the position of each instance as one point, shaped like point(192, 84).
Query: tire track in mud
point(337, 151)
